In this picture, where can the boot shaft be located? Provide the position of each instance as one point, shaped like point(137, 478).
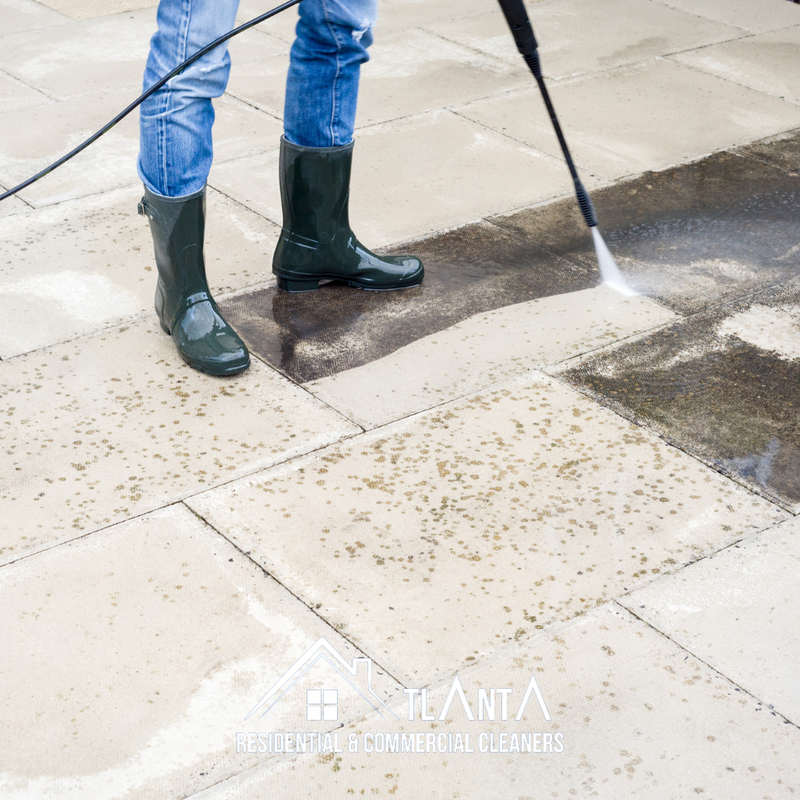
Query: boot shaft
point(178, 228)
point(315, 189)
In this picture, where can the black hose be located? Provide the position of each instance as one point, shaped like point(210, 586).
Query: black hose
point(154, 88)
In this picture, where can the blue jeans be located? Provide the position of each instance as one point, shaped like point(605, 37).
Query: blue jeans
point(175, 147)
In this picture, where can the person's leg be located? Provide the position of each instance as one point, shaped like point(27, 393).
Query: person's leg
point(174, 161)
point(326, 57)
point(175, 123)
point(316, 241)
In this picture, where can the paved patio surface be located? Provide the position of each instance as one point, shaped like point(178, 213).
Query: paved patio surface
point(509, 534)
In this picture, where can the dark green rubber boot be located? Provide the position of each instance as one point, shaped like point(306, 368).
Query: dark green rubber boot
point(316, 242)
point(184, 304)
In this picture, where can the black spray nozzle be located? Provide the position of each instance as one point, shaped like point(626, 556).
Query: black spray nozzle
point(586, 205)
point(521, 28)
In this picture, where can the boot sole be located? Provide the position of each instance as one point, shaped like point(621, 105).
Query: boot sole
point(294, 286)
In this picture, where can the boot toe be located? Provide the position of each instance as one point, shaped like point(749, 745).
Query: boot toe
point(206, 342)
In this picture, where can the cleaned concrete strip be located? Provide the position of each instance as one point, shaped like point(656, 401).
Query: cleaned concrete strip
point(15, 95)
point(114, 425)
point(638, 718)
point(752, 17)
point(440, 156)
point(11, 206)
point(83, 57)
point(32, 138)
point(443, 537)
point(409, 72)
point(738, 612)
point(412, 71)
point(133, 657)
point(722, 385)
point(485, 349)
point(402, 14)
point(586, 36)
point(646, 116)
point(89, 264)
point(767, 62)
point(23, 15)
point(88, 9)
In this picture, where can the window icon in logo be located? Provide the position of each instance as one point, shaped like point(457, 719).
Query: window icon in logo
point(322, 705)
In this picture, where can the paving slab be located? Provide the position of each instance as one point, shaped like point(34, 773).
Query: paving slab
point(59, 61)
point(584, 36)
point(469, 270)
point(281, 26)
point(259, 65)
point(34, 137)
point(721, 385)
point(736, 611)
point(22, 15)
point(241, 130)
point(440, 155)
point(438, 539)
point(144, 648)
point(106, 427)
point(12, 205)
point(646, 116)
point(401, 14)
point(88, 9)
point(468, 356)
point(766, 62)
point(412, 70)
point(742, 13)
point(692, 236)
point(409, 72)
point(14, 94)
point(87, 264)
point(638, 718)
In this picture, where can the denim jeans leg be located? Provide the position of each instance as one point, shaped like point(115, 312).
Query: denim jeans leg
point(175, 148)
point(326, 57)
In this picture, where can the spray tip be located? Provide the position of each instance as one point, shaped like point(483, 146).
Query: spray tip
point(609, 271)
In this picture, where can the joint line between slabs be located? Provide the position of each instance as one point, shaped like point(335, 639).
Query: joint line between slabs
point(661, 633)
point(663, 436)
point(297, 597)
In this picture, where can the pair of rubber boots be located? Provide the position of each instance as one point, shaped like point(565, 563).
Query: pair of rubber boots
point(316, 243)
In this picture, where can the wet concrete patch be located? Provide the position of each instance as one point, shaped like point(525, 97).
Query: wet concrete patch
point(692, 236)
point(722, 385)
point(782, 151)
point(469, 271)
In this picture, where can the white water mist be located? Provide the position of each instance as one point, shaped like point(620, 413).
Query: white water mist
point(609, 271)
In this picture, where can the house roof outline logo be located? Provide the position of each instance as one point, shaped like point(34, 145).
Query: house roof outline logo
point(322, 650)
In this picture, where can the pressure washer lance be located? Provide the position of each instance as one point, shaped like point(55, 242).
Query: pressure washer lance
point(522, 30)
point(151, 90)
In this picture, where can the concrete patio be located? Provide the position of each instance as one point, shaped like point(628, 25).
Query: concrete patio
point(558, 525)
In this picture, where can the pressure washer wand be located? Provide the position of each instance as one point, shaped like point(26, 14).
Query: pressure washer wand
point(521, 28)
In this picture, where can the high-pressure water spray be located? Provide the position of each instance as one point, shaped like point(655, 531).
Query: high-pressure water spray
point(522, 30)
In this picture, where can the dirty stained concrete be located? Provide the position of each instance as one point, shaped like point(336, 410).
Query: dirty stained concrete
point(508, 472)
point(722, 385)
